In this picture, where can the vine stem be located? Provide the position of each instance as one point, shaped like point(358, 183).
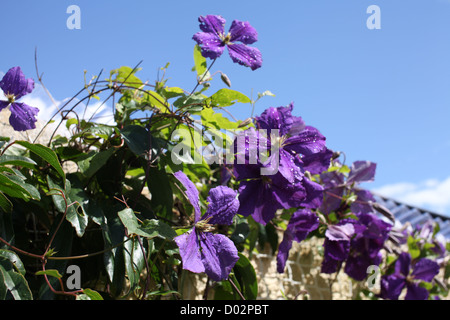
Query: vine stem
point(203, 77)
point(42, 256)
point(236, 288)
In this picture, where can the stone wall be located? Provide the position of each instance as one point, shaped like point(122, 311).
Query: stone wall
point(301, 280)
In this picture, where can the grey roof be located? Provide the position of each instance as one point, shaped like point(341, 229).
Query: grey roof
point(415, 216)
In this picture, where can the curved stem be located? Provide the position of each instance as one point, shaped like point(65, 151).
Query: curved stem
point(203, 77)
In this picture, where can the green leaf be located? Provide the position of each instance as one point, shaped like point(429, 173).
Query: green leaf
point(75, 212)
point(413, 247)
point(148, 229)
point(14, 259)
point(172, 92)
point(246, 275)
point(199, 61)
point(16, 188)
point(156, 101)
point(30, 189)
point(13, 281)
point(89, 294)
point(227, 97)
point(137, 139)
point(134, 262)
point(225, 291)
point(71, 121)
point(51, 272)
point(160, 188)
point(193, 102)
point(95, 160)
point(126, 75)
point(17, 161)
point(241, 232)
point(46, 154)
point(210, 118)
point(113, 234)
point(5, 204)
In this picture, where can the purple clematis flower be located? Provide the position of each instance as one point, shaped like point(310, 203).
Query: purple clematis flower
point(393, 284)
point(213, 40)
point(201, 250)
point(357, 242)
point(294, 149)
point(336, 186)
point(370, 236)
point(301, 224)
point(15, 86)
point(302, 148)
point(337, 245)
point(261, 195)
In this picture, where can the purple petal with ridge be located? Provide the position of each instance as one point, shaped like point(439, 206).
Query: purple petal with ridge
point(244, 55)
point(242, 31)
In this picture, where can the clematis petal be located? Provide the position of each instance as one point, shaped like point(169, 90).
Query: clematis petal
point(191, 193)
point(391, 286)
point(425, 269)
point(332, 199)
point(302, 223)
point(3, 104)
point(249, 194)
point(288, 167)
point(190, 251)
point(402, 265)
point(218, 254)
point(307, 142)
point(337, 250)
point(244, 55)
point(247, 148)
point(414, 292)
point(266, 208)
point(23, 117)
point(329, 265)
point(356, 265)
point(314, 194)
point(332, 179)
point(362, 205)
point(279, 118)
point(243, 32)
point(223, 205)
point(283, 250)
point(211, 45)
point(14, 83)
point(340, 232)
point(287, 195)
point(212, 23)
point(362, 171)
point(317, 163)
point(258, 200)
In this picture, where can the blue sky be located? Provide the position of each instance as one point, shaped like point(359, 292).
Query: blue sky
point(378, 95)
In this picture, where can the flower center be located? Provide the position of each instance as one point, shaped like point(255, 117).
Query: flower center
point(11, 98)
point(225, 39)
point(204, 226)
point(266, 180)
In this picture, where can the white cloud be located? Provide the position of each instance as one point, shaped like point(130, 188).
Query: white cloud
point(432, 194)
point(48, 109)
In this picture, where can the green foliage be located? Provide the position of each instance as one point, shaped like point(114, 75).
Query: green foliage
point(103, 197)
point(117, 211)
